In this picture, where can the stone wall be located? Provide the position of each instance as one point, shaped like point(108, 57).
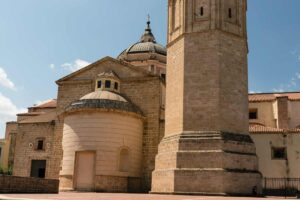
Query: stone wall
point(283, 114)
point(25, 148)
point(140, 88)
point(146, 94)
point(266, 113)
point(10, 137)
point(13, 184)
point(106, 134)
point(12, 147)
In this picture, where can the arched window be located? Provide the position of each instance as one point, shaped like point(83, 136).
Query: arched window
point(124, 160)
point(201, 11)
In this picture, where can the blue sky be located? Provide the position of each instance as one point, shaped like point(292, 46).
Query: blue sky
point(43, 40)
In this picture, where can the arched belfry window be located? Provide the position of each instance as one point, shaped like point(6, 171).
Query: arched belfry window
point(124, 160)
point(201, 11)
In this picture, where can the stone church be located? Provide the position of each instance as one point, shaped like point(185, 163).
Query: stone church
point(103, 130)
point(147, 122)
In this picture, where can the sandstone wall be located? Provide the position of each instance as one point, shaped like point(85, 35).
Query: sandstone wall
point(13, 184)
point(25, 150)
point(105, 133)
point(141, 89)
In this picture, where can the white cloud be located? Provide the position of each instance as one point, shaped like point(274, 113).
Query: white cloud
point(278, 90)
point(52, 66)
point(294, 52)
point(289, 86)
point(254, 92)
point(5, 81)
point(293, 82)
point(8, 109)
point(76, 65)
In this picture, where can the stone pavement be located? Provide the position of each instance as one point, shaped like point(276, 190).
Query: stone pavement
point(109, 196)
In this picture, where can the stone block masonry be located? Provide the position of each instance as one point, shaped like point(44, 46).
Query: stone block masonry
point(14, 184)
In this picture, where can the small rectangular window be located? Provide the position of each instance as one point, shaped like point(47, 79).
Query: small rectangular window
point(253, 114)
point(230, 13)
point(107, 84)
point(279, 153)
point(40, 145)
point(116, 86)
point(99, 84)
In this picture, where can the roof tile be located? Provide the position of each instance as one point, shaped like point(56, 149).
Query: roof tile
point(47, 104)
point(265, 97)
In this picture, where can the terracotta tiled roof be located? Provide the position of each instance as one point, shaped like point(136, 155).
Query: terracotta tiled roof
point(43, 118)
point(261, 97)
point(256, 128)
point(30, 114)
point(47, 104)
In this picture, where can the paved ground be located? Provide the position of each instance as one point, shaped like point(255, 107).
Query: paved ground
point(108, 196)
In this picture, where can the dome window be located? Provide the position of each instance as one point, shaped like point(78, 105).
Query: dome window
point(107, 84)
point(99, 84)
point(116, 85)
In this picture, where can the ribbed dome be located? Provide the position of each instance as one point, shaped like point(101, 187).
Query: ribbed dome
point(107, 95)
point(147, 44)
point(147, 47)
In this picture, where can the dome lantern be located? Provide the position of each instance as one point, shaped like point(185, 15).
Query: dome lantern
point(148, 35)
point(108, 81)
point(146, 49)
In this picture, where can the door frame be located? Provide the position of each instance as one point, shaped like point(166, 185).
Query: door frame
point(75, 168)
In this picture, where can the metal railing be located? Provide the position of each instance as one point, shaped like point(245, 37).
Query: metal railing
point(288, 187)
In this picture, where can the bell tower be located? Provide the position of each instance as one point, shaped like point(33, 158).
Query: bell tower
point(207, 148)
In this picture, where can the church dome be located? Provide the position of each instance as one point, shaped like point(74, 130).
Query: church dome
point(147, 45)
point(104, 95)
point(102, 99)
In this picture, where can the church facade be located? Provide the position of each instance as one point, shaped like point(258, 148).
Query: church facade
point(102, 132)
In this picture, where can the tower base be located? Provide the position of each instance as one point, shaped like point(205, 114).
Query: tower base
point(207, 163)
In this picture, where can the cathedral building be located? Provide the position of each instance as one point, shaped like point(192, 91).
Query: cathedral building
point(103, 130)
point(145, 122)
